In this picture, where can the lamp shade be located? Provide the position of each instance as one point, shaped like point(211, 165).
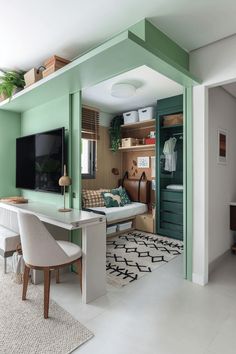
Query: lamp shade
point(123, 90)
point(65, 180)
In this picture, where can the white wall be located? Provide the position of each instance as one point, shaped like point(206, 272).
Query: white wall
point(214, 64)
point(105, 119)
point(222, 178)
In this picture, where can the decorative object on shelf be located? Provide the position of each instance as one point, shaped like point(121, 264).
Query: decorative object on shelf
point(127, 142)
point(11, 82)
point(123, 90)
point(150, 141)
point(130, 117)
point(33, 75)
point(115, 132)
point(143, 161)
point(172, 119)
point(115, 171)
point(64, 182)
point(222, 146)
point(53, 64)
point(146, 113)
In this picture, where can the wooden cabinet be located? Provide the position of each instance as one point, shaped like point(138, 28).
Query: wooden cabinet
point(144, 222)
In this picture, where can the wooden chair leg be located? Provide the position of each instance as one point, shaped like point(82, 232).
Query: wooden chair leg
point(57, 276)
point(47, 281)
point(25, 282)
point(79, 270)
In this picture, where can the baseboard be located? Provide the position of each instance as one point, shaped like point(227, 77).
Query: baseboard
point(199, 279)
point(216, 262)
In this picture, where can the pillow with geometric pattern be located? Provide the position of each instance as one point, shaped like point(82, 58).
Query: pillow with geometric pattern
point(92, 198)
point(112, 199)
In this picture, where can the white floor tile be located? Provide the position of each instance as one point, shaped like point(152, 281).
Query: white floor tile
point(159, 314)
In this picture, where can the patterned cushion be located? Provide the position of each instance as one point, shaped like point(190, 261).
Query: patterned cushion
point(124, 196)
point(112, 198)
point(92, 198)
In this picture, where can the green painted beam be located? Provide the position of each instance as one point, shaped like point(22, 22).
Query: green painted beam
point(118, 55)
point(154, 38)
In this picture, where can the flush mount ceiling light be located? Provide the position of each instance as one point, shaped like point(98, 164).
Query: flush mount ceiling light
point(123, 90)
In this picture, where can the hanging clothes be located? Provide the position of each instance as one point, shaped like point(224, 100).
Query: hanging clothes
point(170, 155)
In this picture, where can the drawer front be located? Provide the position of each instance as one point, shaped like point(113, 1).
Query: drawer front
point(172, 217)
point(171, 196)
point(174, 227)
point(174, 207)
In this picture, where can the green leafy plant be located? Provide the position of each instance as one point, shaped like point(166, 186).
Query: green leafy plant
point(115, 132)
point(10, 81)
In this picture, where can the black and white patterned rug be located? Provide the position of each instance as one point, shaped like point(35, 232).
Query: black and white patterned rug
point(135, 254)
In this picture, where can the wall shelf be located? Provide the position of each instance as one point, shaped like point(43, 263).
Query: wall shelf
point(144, 124)
point(172, 126)
point(138, 148)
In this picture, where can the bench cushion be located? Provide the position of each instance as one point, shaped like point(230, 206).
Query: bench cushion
point(8, 239)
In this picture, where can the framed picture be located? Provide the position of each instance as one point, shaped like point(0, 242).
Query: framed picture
point(143, 161)
point(222, 146)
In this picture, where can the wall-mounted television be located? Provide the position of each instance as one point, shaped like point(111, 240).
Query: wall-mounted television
point(40, 160)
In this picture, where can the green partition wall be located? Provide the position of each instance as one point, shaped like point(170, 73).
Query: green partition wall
point(56, 101)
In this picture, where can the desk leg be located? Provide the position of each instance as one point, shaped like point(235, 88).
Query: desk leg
point(94, 262)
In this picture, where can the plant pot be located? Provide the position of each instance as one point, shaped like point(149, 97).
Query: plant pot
point(3, 97)
point(16, 90)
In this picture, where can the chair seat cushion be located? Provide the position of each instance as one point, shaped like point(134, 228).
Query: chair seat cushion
point(8, 239)
point(72, 250)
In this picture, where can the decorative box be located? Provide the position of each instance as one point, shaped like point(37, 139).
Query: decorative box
point(149, 141)
point(130, 117)
point(127, 142)
point(32, 76)
point(53, 64)
point(146, 113)
point(173, 119)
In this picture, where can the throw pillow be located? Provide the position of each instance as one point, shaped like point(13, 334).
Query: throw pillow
point(112, 199)
point(124, 196)
point(92, 198)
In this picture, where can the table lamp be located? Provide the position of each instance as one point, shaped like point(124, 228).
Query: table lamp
point(64, 182)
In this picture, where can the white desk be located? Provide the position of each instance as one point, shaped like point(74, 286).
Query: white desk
point(93, 239)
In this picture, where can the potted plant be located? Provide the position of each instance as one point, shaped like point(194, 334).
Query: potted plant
point(115, 132)
point(10, 83)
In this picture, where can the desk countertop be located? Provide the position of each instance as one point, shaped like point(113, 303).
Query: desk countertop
point(49, 213)
point(232, 204)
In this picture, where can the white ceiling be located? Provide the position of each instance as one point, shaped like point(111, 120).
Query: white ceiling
point(32, 31)
point(150, 86)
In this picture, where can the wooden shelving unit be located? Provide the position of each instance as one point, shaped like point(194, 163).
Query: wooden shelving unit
point(144, 124)
point(138, 148)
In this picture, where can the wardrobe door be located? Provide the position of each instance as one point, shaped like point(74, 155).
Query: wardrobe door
point(169, 159)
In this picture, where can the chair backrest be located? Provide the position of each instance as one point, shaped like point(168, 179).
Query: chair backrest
point(39, 247)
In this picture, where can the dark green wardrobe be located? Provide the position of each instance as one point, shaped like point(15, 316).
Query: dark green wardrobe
point(169, 220)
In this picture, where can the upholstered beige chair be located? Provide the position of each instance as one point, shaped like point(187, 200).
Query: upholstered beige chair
point(42, 252)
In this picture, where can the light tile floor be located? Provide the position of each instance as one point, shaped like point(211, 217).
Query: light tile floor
point(159, 314)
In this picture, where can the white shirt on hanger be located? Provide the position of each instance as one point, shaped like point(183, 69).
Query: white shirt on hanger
point(170, 155)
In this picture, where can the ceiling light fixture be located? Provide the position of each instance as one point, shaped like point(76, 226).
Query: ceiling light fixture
point(123, 90)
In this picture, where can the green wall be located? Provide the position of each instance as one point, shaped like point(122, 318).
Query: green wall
point(9, 131)
point(52, 115)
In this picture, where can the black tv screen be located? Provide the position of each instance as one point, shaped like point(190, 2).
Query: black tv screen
point(40, 161)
